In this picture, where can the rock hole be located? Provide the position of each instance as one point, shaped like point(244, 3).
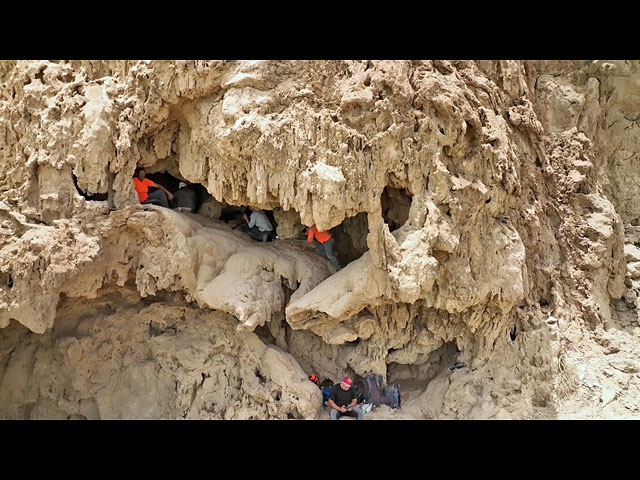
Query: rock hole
point(441, 130)
point(265, 334)
point(538, 162)
point(351, 238)
point(258, 374)
point(513, 333)
point(40, 74)
point(488, 200)
point(6, 279)
point(96, 197)
point(67, 78)
point(418, 376)
point(395, 203)
point(583, 189)
point(367, 81)
point(190, 198)
point(544, 303)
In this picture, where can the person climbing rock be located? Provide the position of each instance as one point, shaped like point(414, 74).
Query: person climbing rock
point(142, 185)
point(259, 226)
point(326, 244)
point(184, 198)
point(342, 401)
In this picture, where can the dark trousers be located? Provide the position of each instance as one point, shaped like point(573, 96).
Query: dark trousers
point(157, 198)
point(356, 412)
point(327, 249)
point(255, 232)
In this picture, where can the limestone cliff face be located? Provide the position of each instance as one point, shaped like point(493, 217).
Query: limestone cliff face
point(489, 208)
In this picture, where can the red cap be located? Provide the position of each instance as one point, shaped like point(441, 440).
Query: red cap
point(346, 380)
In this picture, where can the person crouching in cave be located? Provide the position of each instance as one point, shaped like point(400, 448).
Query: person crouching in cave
point(142, 185)
point(342, 401)
point(326, 244)
point(184, 199)
point(259, 225)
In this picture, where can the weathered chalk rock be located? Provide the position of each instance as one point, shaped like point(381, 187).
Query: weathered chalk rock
point(469, 200)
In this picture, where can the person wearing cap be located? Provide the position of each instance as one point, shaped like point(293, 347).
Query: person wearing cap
point(184, 198)
point(142, 185)
point(342, 401)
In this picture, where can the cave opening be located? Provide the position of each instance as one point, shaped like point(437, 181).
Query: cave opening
point(395, 203)
point(96, 197)
point(6, 279)
point(195, 198)
point(239, 215)
point(264, 334)
point(188, 196)
point(351, 238)
point(513, 333)
point(417, 376)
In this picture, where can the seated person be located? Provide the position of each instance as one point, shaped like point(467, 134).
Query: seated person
point(184, 198)
point(142, 185)
point(259, 225)
point(342, 401)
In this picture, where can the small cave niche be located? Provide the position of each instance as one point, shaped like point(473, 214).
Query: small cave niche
point(395, 203)
point(264, 334)
point(96, 197)
point(583, 189)
point(418, 375)
point(6, 280)
point(259, 375)
point(232, 213)
point(351, 238)
point(40, 74)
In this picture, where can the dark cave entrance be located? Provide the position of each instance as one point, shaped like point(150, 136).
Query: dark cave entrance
point(418, 376)
point(234, 214)
point(96, 197)
point(172, 184)
point(207, 205)
point(351, 238)
point(395, 203)
point(6, 280)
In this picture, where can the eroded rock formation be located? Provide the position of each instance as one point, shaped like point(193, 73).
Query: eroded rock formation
point(487, 212)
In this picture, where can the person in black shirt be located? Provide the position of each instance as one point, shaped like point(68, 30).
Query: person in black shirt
point(184, 198)
point(342, 400)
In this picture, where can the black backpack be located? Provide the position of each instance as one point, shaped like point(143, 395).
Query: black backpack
point(359, 395)
point(393, 391)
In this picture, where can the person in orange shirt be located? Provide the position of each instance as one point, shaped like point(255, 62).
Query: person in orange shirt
point(326, 244)
point(142, 185)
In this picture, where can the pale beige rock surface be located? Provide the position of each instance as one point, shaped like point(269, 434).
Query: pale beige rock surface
point(487, 211)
